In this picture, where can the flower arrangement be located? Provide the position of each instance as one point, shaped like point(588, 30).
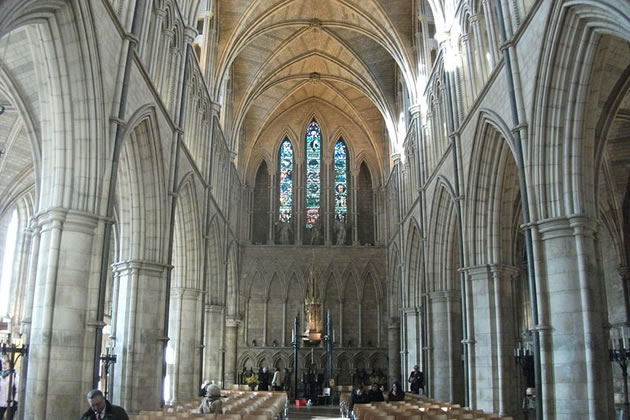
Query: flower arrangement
point(252, 380)
point(379, 380)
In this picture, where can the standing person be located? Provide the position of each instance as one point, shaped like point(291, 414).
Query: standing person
point(416, 379)
point(101, 409)
point(287, 379)
point(263, 380)
point(276, 382)
point(8, 391)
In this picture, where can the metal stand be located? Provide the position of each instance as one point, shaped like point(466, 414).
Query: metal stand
point(621, 355)
point(525, 359)
point(328, 339)
point(297, 337)
point(107, 361)
point(11, 354)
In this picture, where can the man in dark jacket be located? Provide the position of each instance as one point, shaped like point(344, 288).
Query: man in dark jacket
point(358, 397)
point(101, 409)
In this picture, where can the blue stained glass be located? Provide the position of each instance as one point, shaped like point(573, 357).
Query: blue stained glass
point(341, 181)
point(313, 169)
point(286, 181)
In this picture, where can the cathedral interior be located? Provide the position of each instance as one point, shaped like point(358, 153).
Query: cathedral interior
point(180, 180)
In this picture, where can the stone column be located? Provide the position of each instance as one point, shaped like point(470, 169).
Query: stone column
point(574, 353)
point(183, 332)
point(445, 336)
point(493, 37)
point(299, 211)
point(213, 343)
point(27, 304)
point(62, 335)
point(481, 63)
point(284, 324)
point(139, 334)
point(412, 341)
point(231, 340)
point(353, 223)
point(472, 81)
point(493, 370)
point(624, 275)
point(273, 208)
point(393, 349)
point(265, 321)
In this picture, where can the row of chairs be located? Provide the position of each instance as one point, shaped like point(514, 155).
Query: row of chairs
point(237, 405)
point(420, 408)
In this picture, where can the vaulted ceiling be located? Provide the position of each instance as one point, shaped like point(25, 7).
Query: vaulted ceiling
point(280, 53)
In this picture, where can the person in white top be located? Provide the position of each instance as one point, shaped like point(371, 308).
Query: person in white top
point(8, 391)
point(276, 381)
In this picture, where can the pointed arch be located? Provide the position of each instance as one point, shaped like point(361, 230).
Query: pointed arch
point(441, 240)
point(493, 188)
point(394, 282)
point(215, 256)
point(142, 190)
point(187, 241)
point(563, 100)
point(413, 289)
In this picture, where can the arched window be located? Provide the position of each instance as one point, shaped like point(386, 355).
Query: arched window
point(313, 170)
point(341, 181)
point(286, 182)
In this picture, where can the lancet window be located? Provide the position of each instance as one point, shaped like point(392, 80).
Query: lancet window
point(286, 181)
point(313, 174)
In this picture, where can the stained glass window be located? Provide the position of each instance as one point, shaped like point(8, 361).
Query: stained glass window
point(313, 169)
point(341, 181)
point(286, 181)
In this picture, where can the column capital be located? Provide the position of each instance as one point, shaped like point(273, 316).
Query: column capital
point(217, 309)
point(185, 293)
point(571, 225)
point(232, 322)
point(415, 110)
point(215, 108)
point(190, 34)
point(125, 267)
point(393, 322)
point(489, 270)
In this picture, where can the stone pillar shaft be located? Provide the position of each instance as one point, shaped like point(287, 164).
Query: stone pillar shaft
point(213, 343)
point(183, 333)
point(445, 349)
point(139, 334)
point(493, 327)
point(574, 344)
point(393, 349)
point(231, 335)
point(61, 336)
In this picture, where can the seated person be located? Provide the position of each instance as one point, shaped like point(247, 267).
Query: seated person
point(396, 393)
point(204, 388)
point(212, 403)
point(375, 394)
point(358, 397)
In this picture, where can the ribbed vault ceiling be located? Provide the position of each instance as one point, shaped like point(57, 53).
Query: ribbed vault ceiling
point(281, 53)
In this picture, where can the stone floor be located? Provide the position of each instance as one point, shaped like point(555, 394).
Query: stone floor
point(319, 412)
